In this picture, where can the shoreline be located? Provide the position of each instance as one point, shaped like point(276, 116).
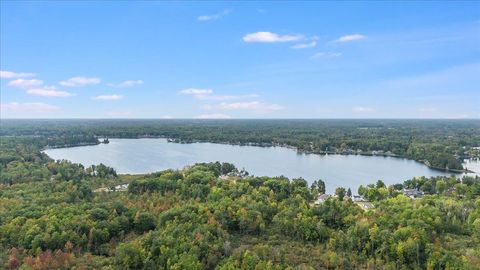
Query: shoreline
point(72, 145)
point(308, 152)
point(299, 151)
point(68, 146)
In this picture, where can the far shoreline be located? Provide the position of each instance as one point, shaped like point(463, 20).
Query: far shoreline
point(263, 145)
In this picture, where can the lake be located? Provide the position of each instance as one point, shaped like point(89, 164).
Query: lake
point(136, 156)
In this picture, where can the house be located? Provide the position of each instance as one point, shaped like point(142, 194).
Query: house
point(322, 198)
point(358, 198)
point(365, 205)
point(123, 187)
point(412, 193)
point(102, 189)
point(241, 174)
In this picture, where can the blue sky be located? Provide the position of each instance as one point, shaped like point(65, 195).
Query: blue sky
point(240, 60)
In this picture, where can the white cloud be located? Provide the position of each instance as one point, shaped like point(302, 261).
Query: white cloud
point(213, 116)
point(196, 91)
point(363, 109)
point(304, 45)
point(324, 55)
point(214, 16)
point(12, 75)
point(128, 83)
point(349, 38)
point(49, 92)
point(80, 81)
point(253, 106)
point(25, 83)
point(207, 94)
point(270, 37)
point(37, 107)
point(166, 117)
point(224, 97)
point(108, 97)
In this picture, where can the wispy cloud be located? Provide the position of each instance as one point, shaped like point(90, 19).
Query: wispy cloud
point(252, 106)
point(12, 75)
point(321, 55)
point(270, 37)
point(360, 109)
point(304, 45)
point(196, 91)
point(128, 83)
point(25, 83)
point(214, 17)
point(108, 97)
point(49, 92)
point(166, 117)
point(348, 38)
point(36, 107)
point(225, 97)
point(213, 116)
point(207, 94)
point(80, 81)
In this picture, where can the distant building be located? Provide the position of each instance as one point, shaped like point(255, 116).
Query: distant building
point(240, 174)
point(322, 198)
point(377, 152)
point(366, 205)
point(358, 198)
point(122, 187)
point(412, 193)
point(102, 189)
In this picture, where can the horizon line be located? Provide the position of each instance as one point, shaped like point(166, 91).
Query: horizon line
point(226, 119)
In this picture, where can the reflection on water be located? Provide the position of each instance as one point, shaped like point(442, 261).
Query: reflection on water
point(149, 155)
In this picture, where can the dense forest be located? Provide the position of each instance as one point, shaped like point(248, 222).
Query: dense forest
point(60, 215)
point(438, 143)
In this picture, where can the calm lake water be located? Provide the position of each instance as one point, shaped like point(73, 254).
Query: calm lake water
point(135, 156)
